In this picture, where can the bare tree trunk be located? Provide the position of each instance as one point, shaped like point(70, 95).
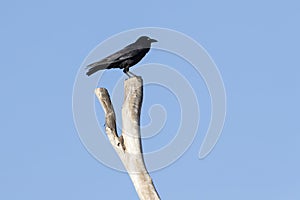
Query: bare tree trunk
point(128, 145)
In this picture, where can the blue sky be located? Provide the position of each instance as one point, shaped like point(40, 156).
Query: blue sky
point(255, 45)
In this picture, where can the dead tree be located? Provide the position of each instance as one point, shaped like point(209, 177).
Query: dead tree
point(128, 144)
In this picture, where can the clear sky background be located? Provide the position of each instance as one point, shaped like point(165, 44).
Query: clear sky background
point(255, 45)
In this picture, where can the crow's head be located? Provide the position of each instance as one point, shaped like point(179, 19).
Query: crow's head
point(145, 40)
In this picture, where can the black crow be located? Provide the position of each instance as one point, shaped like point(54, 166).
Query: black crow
point(125, 58)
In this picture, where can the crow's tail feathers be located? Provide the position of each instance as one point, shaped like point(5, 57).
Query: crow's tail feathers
point(92, 68)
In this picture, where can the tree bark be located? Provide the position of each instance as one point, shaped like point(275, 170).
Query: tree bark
point(128, 144)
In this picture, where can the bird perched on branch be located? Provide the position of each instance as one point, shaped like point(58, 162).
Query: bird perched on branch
point(125, 58)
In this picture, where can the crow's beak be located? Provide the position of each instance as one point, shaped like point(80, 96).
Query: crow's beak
point(153, 40)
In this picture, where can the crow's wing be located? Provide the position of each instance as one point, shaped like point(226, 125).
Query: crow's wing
point(128, 52)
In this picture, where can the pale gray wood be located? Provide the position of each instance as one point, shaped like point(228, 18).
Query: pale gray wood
point(128, 145)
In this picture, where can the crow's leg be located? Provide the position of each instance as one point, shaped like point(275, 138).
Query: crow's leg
point(129, 72)
point(126, 70)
